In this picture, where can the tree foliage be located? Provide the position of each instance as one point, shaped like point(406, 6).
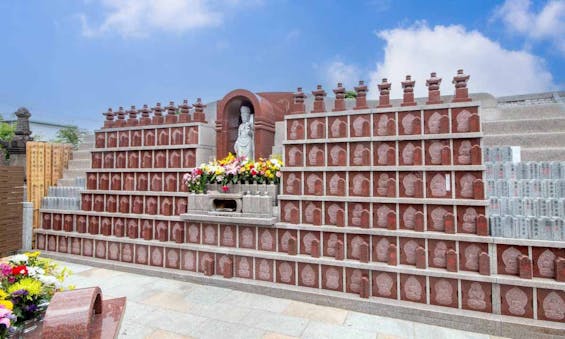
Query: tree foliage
point(69, 135)
point(350, 95)
point(6, 130)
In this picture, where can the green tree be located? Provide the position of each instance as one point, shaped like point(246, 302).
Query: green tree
point(6, 134)
point(350, 95)
point(69, 135)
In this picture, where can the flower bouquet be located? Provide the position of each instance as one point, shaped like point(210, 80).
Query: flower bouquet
point(27, 284)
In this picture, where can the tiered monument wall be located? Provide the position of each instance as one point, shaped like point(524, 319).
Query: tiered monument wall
point(384, 202)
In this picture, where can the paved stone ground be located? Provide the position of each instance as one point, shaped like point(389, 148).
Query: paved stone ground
point(163, 308)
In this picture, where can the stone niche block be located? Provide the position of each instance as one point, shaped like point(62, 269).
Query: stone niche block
point(332, 278)
point(172, 258)
point(384, 124)
point(210, 234)
point(384, 216)
point(121, 159)
point(338, 127)
point(129, 181)
point(160, 159)
point(384, 285)
point(162, 229)
point(463, 151)
point(307, 238)
point(68, 223)
point(508, 258)
point(266, 239)
point(358, 247)
point(170, 182)
point(93, 224)
point(336, 183)
point(476, 296)
point(353, 277)
point(308, 275)
point(166, 205)
point(86, 205)
point(188, 260)
point(137, 206)
point(469, 253)
point(40, 242)
point(525, 264)
point(411, 184)
point(444, 292)
point(466, 186)
point(287, 238)
point(189, 158)
point(177, 232)
point(290, 211)
point(133, 229)
point(91, 181)
point(104, 181)
point(316, 128)
point(312, 212)
point(359, 154)
point(97, 159)
point(123, 138)
point(337, 154)
point(228, 235)
point(285, 272)
point(413, 288)
point(438, 216)
point(225, 265)
point(380, 248)
point(162, 136)
point(146, 159)
point(360, 184)
point(87, 247)
point(106, 226)
point(244, 267)
point(174, 157)
point(335, 213)
point(408, 247)
point(142, 181)
point(81, 224)
point(313, 183)
point(116, 182)
point(468, 218)
point(46, 221)
point(126, 252)
point(147, 229)
point(437, 152)
point(157, 182)
point(544, 261)
point(410, 153)
point(437, 254)
point(316, 155)
point(360, 125)
point(206, 262)
point(100, 140)
point(359, 214)
point(57, 222)
point(247, 237)
point(180, 205)
point(292, 183)
point(551, 305)
point(436, 121)
point(111, 139)
point(136, 138)
point(439, 185)
point(409, 123)
point(98, 205)
point(384, 153)
point(516, 301)
point(330, 243)
point(124, 205)
point(295, 129)
point(100, 249)
point(465, 120)
point(412, 217)
point(191, 135)
point(113, 250)
point(177, 134)
point(63, 244)
point(294, 155)
point(73, 243)
point(151, 206)
point(384, 184)
point(109, 160)
point(264, 269)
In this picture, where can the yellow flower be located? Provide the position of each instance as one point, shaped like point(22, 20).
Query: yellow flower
point(3, 295)
point(7, 304)
point(32, 286)
point(33, 254)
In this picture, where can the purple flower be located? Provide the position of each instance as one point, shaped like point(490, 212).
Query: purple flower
point(21, 292)
point(5, 269)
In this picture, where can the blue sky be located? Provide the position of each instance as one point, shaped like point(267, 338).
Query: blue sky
point(68, 60)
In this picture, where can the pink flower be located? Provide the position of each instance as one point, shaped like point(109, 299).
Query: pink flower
point(225, 188)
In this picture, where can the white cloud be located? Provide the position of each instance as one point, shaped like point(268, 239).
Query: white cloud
point(547, 24)
point(138, 18)
point(338, 71)
point(420, 50)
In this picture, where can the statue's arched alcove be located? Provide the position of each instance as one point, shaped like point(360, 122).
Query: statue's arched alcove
point(229, 119)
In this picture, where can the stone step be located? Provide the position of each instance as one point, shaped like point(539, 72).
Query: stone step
point(524, 126)
point(66, 182)
point(73, 173)
point(79, 163)
point(86, 146)
point(81, 155)
point(543, 154)
point(88, 138)
point(526, 140)
point(526, 112)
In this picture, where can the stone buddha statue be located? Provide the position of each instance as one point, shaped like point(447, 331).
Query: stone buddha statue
point(244, 144)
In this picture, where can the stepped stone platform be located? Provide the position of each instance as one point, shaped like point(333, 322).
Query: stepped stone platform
point(382, 204)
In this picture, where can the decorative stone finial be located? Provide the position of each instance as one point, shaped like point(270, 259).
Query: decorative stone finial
point(199, 115)
point(339, 104)
point(384, 93)
point(145, 115)
point(461, 90)
point(298, 106)
point(361, 100)
point(171, 117)
point(319, 104)
point(121, 118)
point(157, 114)
point(132, 113)
point(109, 122)
point(184, 111)
point(434, 96)
point(408, 87)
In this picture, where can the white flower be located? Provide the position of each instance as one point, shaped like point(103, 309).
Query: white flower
point(19, 259)
point(49, 280)
point(35, 271)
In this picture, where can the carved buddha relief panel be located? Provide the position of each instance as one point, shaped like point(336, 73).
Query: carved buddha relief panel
point(284, 238)
point(337, 154)
point(314, 184)
point(97, 159)
point(409, 123)
point(443, 292)
point(316, 128)
point(508, 258)
point(465, 120)
point(149, 137)
point(157, 256)
point(384, 184)
point(227, 235)
point(112, 139)
point(306, 240)
point(136, 138)
point(127, 252)
point(141, 254)
point(332, 278)
point(355, 243)
point(413, 288)
point(312, 212)
point(411, 184)
point(384, 216)
point(384, 124)
point(146, 159)
point(109, 160)
point(411, 216)
point(121, 159)
point(335, 213)
point(191, 135)
point(476, 296)
point(316, 155)
point(408, 248)
point(100, 251)
point(516, 301)
point(359, 214)
point(384, 285)
point(360, 184)
point(360, 125)
point(177, 136)
point(285, 272)
point(295, 129)
point(330, 243)
point(544, 261)
point(100, 140)
point(308, 275)
point(174, 158)
point(172, 258)
point(551, 305)
point(469, 255)
point(267, 239)
point(437, 152)
point(467, 218)
point(353, 279)
point(360, 154)
point(384, 153)
point(437, 253)
point(264, 269)
point(437, 215)
point(163, 136)
point(465, 185)
point(436, 121)
point(188, 260)
point(244, 267)
point(290, 212)
point(380, 248)
point(292, 183)
point(294, 155)
point(336, 183)
point(247, 237)
point(439, 185)
point(189, 158)
point(337, 127)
